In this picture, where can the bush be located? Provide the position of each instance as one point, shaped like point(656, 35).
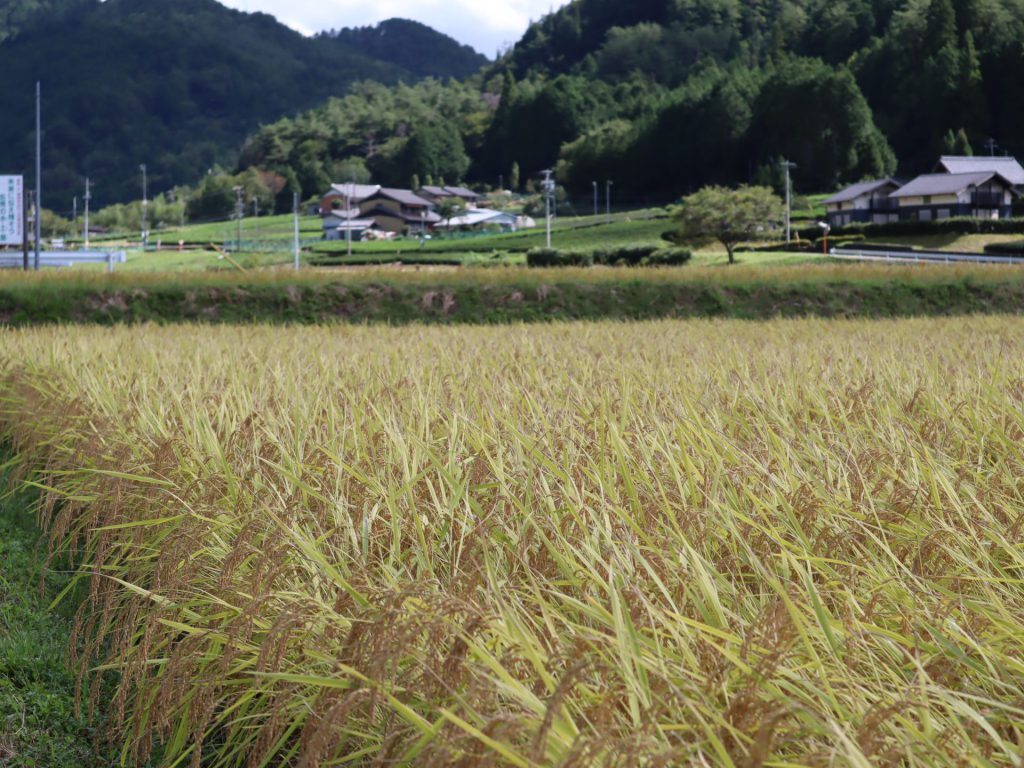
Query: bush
point(1006, 249)
point(552, 257)
point(628, 255)
point(955, 226)
point(632, 256)
point(794, 246)
point(670, 257)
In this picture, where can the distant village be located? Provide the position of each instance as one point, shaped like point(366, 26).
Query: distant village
point(371, 212)
point(975, 187)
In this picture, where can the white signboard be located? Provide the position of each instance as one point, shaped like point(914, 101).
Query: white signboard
point(12, 211)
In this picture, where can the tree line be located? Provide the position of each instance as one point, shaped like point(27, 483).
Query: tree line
point(666, 96)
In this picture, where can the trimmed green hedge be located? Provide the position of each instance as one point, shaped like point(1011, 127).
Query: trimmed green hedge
point(955, 226)
point(798, 245)
point(1006, 249)
point(629, 256)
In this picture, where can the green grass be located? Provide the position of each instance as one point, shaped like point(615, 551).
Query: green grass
point(38, 724)
point(583, 234)
point(943, 242)
point(425, 294)
point(264, 228)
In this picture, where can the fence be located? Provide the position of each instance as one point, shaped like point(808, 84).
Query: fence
point(63, 259)
point(922, 257)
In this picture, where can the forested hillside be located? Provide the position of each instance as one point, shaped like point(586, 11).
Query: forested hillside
point(663, 96)
point(176, 85)
point(414, 47)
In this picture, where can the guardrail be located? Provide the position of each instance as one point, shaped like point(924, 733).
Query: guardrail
point(64, 259)
point(922, 257)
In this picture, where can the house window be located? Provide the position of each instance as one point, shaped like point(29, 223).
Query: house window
point(942, 213)
point(927, 199)
point(924, 215)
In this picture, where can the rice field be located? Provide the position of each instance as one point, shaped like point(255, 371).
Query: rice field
point(788, 543)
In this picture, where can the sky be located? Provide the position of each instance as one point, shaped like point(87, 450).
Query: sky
point(487, 25)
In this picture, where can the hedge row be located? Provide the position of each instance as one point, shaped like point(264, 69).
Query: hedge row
point(629, 256)
point(1006, 249)
point(793, 246)
point(955, 226)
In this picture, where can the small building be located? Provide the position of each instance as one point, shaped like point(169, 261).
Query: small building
point(1007, 167)
point(936, 196)
point(340, 195)
point(436, 194)
point(398, 210)
point(338, 223)
point(868, 202)
point(481, 219)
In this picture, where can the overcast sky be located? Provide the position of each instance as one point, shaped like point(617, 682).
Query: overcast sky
point(485, 24)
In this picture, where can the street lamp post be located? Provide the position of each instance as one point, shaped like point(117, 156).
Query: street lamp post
point(608, 200)
point(825, 228)
point(595, 198)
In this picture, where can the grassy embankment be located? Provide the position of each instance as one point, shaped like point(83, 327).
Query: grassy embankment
point(39, 727)
point(510, 295)
point(706, 543)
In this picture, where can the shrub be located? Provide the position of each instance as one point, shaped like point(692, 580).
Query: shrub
point(793, 246)
point(631, 256)
point(628, 255)
point(955, 226)
point(1015, 248)
point(552, 257)
point(670, 257)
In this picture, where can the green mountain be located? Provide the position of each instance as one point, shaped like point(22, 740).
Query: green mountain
point(664, 96)
point(414, 47)
point(928, 69)
point(176, 85)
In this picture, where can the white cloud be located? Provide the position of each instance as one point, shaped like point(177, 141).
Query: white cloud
point(484, 24)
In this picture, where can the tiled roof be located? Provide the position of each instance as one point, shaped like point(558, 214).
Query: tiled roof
point(858, 190)
point(1007, 167)
point(403, 196)
point(946, 184)
point(355, 191)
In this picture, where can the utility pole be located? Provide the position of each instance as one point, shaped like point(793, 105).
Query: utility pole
point(88, 197)
point(239, 213)
point(595, 198)
point(295, 209)
point(548, 185)
point(787, 167)
point(608, 200)
point(145, 207)
point(24, 229)
point(348, 217)
point(74, 210)
point(39, 172)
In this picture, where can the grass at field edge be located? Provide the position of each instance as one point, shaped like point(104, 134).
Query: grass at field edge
point(39, 727)
point(525, 297)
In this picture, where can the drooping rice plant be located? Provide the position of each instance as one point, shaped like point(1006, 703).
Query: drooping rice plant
point(730, 544)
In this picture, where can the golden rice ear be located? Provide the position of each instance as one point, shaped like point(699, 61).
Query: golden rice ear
point(652, 544)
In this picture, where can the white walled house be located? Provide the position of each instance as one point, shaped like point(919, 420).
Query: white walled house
point(937, 196)
point(868, 202)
